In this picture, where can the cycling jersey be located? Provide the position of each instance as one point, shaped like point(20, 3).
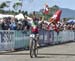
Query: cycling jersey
point(34, 27)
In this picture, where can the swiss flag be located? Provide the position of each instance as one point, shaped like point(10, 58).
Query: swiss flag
point(46, 9)
point(56, 16)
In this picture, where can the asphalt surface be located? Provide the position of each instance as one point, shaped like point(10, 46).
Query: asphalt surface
point(64, 52)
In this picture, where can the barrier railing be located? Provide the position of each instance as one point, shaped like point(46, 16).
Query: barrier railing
point(13, 39)
point(20, 39)
point(52, 37)
point(6, 40)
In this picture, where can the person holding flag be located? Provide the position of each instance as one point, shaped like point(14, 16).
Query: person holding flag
point(46, 9)
point(55, 19)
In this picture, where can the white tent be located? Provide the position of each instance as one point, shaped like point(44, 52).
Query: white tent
point(74, 21)
point(1, 16)
point(19, 16)
point(71, 21)
point(5, 15)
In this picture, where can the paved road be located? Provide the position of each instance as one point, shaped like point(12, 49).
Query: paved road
point(64, 52)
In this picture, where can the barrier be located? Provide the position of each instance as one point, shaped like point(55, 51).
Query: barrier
point(6, 40)
point(13, 40)
point(52, 37)
point(20, 39)
point(46, 37)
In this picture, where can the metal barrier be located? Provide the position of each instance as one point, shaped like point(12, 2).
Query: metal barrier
point(20, 39)
point(6, 40)
point(13, 39)
point(46, 37)
point(52, 37)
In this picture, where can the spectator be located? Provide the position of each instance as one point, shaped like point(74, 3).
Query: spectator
point(13, 24)
point(19, 25)
point(5, 24)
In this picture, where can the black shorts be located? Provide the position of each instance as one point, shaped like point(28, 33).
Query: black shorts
point(34, 32)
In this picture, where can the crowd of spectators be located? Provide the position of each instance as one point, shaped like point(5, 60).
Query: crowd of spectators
point(13, 24)
point(23, 24)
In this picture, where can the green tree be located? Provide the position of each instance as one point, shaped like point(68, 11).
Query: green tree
point(3, 5)
point(17, 6)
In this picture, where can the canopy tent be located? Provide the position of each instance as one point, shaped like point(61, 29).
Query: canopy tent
point(5, 15)
point(71, 21)
point(1, 16)
point(19, 16)
point(74, 21)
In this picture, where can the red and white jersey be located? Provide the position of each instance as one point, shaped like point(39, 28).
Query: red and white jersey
point(34, 29)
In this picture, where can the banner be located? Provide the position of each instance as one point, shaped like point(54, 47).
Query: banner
point(6, 40)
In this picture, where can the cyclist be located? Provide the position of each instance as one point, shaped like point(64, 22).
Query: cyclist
point(34, 36)
point(34, 23)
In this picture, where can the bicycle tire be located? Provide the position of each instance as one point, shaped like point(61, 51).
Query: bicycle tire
point(35, 49)
point(32, 43)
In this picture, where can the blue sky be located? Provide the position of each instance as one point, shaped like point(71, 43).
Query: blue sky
point(36, 5)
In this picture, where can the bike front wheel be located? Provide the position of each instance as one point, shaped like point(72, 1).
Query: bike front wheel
point(33, 49)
